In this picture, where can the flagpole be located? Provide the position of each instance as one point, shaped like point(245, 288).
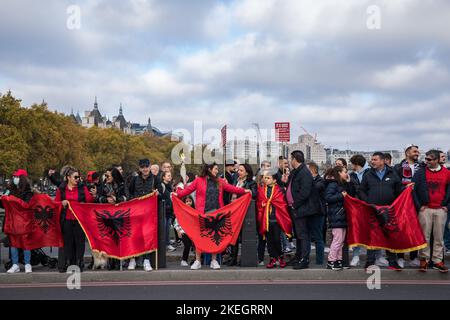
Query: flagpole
point(156, 259)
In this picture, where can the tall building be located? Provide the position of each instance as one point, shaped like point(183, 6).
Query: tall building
point(313, 150)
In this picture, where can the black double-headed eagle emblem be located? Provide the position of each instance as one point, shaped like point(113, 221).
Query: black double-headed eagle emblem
point(43, 217)
point(116, 225)
point(385, 218)
point(216, 228)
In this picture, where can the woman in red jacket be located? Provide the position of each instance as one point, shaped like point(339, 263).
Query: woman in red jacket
point(209, 190)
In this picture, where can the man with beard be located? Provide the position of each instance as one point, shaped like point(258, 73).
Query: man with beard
point(406, 170)
point(432, 197)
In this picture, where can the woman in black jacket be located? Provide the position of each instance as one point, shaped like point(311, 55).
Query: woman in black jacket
point(244, 180)
point(337, 188)
point(165, 188)
point(112, 191)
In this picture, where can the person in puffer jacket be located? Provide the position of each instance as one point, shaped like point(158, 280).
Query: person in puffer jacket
point(335, 192)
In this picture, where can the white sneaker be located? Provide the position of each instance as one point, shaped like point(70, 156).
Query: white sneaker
point(327, 250)
point(196, 265)
point(355, 261)
point(401, 263)
point(132, 264)
point(313, 247)
point(14, 269)
point(184, 263)
point(171, 248)
point(147, 265)
point(287, 250)
point(415, 263)
point(382, 262)
point(28, 268)
point(215, 265)
point(261, 263)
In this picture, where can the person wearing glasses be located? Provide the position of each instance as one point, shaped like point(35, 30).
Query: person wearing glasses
point(142, 184)
point(432, 198)
point(71, 189)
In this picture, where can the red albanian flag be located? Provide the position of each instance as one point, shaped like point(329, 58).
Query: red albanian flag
point(265, 206)
point(123, 230)
point(395, 228)
point(33, 225)
point(215, 231)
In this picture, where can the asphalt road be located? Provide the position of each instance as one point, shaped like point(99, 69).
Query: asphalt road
point(233, 290)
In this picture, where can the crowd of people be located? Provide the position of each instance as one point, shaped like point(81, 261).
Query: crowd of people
point(296, 207)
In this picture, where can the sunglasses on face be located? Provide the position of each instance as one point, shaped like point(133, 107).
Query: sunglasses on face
point(76, 177)
point(430, 159)
point(143, 167)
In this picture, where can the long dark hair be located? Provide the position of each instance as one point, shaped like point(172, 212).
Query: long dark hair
point(116, 175)
point(192, 199)
point(249, 170)
point(334, 174)
point(24, 186)
point(206, 173)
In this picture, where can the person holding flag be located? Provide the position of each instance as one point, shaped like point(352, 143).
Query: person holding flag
point(74, 238)
point(273, 218)
point(20, 188)
point(209, 190)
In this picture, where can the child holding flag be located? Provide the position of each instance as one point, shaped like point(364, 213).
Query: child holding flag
point(273, 218)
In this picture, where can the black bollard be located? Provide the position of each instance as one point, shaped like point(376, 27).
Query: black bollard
point(162, 261)
point(249, 251)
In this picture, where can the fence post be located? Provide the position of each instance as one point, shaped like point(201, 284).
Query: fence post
point(249, 251)
point(162, 261)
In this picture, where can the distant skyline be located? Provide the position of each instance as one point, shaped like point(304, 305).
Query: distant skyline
point(315, 63)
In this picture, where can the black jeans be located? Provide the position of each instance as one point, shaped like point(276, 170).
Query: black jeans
point(274, 240)
point(303, 235)
point(261, 247)
point(315, 224)
point(187, 246)
point(74, 242)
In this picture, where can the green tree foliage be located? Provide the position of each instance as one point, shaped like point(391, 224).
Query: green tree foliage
point(37, 139)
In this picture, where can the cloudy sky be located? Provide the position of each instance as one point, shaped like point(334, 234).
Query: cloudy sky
point(324, 65)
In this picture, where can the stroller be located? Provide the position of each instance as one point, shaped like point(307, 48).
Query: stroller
point(38, 256)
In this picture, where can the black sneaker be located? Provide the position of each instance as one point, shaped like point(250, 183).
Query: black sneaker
point(330, 265)
point(337, 265)
point(293, 261)
point(393, 265)
point(302, 264)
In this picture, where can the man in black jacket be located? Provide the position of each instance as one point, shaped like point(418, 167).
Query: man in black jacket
point(141, 185)
point(380, 186)
point(303, 201)
point(406, 170)
point(230, 176)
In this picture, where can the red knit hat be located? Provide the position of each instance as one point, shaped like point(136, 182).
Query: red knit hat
point(20, 172)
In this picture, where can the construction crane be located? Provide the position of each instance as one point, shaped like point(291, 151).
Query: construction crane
point(306, 131)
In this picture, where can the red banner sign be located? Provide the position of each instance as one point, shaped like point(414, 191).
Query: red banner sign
point(282, 131)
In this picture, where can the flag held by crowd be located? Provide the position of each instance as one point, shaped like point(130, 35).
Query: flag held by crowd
point(123, 230)
point(395, 228)
point(215, 231)
point(34, 224)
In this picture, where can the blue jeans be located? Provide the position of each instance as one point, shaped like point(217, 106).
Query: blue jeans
point(447, 233)
point(15, 256)
point(169, 221)
point(356, 251)
point(284, 241)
